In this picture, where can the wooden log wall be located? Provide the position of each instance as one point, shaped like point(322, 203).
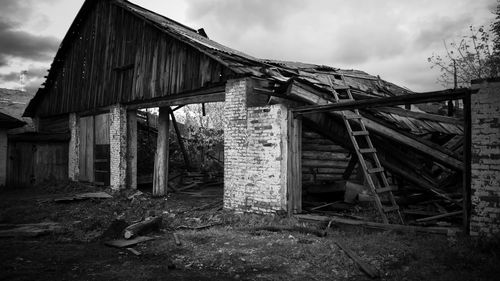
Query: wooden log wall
point(116, 57)
point(323, 161)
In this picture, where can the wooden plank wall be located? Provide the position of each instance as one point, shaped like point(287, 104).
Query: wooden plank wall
point(86, 147)
point(55, 124)
point(119, 58)
point(102, 149)
point(323, 161)
point(33, 163)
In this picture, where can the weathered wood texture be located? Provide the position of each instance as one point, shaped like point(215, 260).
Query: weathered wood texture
point(31, 163)
point(116, 57)
point(160, 173)
point(86, 147)
point(294, 166)
point(323, 161)
point(55, 124)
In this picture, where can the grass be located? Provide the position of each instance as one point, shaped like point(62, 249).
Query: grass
point(240, 246)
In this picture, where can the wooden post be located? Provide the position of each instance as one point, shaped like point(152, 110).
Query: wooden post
point(160, 175)
point(294, 165)
point(132, 149)
point(180, 141)
point(466, 178)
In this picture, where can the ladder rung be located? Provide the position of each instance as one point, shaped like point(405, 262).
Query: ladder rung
point(390, 209)
point(360, 133)
point(384, 189)
point(353, 116)
point(375, 170)
point(367, 150)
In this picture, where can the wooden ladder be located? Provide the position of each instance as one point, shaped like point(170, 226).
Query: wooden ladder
point(367, 152)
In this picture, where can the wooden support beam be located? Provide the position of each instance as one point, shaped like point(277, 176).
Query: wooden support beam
point(294, 165)
point(466, 185)
point(132, 149)
point(180, 141)
point(160, 173)
point(379, 102)
point(421, 115)
point(204, 95)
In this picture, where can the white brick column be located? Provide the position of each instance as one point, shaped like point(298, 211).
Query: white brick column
point(485, 162)
point(118, 147)
point(255, 153)
point(73, 148)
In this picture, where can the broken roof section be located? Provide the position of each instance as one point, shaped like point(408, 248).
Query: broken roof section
point(281, 73)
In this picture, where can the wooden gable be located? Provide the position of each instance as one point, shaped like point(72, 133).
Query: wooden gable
point(114, 56)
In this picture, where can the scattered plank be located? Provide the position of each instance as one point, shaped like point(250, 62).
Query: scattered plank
point(322, 206)
point(440, 216)
point(134, 251)
point(177, 241)
point(299, 229)
point(84, 196)
point(29, 230)
point(371, 271)
point(126, 243)
point(147, 225)
point(381, 226)
point(198, 227)
point(206, 206)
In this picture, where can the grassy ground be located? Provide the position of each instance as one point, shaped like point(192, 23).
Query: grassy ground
point(238, 247)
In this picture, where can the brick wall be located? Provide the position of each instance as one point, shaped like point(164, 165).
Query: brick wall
point(485, 162)
point(118, 147)
point(255, 150)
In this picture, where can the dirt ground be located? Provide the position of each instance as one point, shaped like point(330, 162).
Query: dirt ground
point(228, 246)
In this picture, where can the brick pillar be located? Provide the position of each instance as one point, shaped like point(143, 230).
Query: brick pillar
point(73, 148)
point(118, 147)
point(485, 162)
point(255, 152)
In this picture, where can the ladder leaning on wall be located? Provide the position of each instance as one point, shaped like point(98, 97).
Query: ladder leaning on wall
point(364, 154)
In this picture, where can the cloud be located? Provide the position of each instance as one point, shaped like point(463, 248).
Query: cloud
point(34, 77)
point(22, 44)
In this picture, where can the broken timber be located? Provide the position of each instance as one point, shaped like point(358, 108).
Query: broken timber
point(147, 225)
point(325, 107)
point(380, 226)
point(366, 268)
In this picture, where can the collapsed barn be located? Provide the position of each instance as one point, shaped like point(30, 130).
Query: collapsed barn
point(292, 131)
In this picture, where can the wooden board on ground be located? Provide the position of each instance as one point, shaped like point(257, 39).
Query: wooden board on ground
point(84, 196)
point(381, 226)
point(366, 268)
point(125, 243)
point(29, 230)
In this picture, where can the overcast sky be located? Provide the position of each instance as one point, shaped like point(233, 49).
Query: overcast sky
point(390, 38)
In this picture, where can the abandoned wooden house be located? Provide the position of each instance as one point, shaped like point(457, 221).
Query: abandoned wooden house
point(289, 128)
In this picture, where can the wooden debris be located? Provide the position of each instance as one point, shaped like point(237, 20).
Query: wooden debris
point(83, 196)
point(206, 206)
point(381, 226)
point(124, 243)
point(28, 230)
point(147, 225)
point(299, 229)
point(371, 271)
point(176, 238)
point(134, 251)
point(440, 216)
point(198, 227)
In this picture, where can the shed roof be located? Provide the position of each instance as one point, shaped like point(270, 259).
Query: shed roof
point(281, 72)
